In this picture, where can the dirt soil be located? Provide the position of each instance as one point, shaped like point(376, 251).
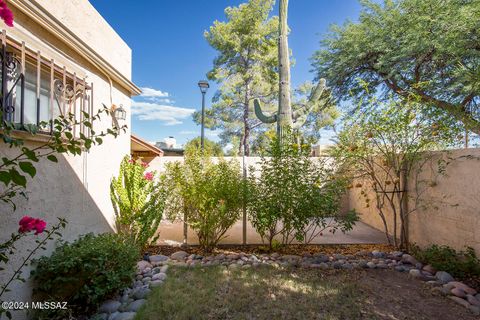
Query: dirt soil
point(393, 295)
point(297, 249)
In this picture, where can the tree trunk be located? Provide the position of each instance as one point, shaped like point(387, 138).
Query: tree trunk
point(246, 131)
point(284, 104)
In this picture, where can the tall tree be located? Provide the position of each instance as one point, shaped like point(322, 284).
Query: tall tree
point(428, 48)
point(245, 67)
point(212, 148)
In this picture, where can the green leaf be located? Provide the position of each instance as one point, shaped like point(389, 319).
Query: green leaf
point(28, 167)
point(5, 177)
point(30, 154)
point(52, 158)
point(17, 178)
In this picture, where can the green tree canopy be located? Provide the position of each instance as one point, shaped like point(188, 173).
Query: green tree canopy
point(428, 48)
point(245, 67)
point(212, 148)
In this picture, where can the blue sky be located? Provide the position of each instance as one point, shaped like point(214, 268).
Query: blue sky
point(170, 54)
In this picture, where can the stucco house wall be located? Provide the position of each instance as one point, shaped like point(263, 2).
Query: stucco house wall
point(448, 209)
point(77, 188)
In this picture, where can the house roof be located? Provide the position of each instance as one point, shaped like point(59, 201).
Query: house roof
point(41, 16)
point(139, 145)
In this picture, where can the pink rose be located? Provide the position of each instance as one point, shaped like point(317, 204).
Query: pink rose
point(28, 224)
point(6, 14)
point(148, 176)
point(39, 226)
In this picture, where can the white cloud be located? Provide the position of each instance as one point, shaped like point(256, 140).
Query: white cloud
point(187, 132)
point(170, 115)
point(153, 93)
point(213, 133)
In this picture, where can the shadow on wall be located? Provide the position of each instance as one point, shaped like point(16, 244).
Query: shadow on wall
point(58, 190)
point(447, 204)
point(172, 233)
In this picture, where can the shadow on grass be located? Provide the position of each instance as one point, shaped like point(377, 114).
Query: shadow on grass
point(263, 293)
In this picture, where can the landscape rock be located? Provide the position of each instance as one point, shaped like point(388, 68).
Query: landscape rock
point(444, 276)
point(378, 254)
point(109, 306)
point(428, 268)
point(179, 255)
point(458, 292)
point(159, 276)
point(135, 305)
point(125, 316)
point(320, 258)
point(415, 273)
point(141, 265)
point(473, 300)
point(113, 315)
point(141, 293)
point(460, 301)
point(291, 257)
point(158, 258)
point(409, 259)
point(464, 287)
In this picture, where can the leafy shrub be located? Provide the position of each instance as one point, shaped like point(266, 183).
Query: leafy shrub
point(207, 196)
point(84, 273)
point(460, 264)
point(138, 200)
point(294, 196)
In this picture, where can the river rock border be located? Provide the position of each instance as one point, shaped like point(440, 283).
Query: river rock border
point(152, 273)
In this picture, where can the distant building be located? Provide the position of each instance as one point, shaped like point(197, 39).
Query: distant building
point(140, 148)
point(169, 147)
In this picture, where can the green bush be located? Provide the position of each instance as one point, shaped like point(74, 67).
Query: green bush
point(84, 273)
point(459, 264)
point(138, 199)
point(207, 196)
point(294, 196)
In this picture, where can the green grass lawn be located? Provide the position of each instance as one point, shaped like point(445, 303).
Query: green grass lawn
point(270, 293)
point(264, 293)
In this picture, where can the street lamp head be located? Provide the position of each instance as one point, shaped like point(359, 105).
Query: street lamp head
point(203, 85)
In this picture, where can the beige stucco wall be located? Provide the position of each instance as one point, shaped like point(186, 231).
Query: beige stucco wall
point(172, 232)
point(77, 188)
point(448, 211)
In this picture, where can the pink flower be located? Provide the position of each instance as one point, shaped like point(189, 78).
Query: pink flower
point(131, 161)
point(144, 164)
point(148, 176)
point(39, 226)
point(6, 14)
point(28, 224)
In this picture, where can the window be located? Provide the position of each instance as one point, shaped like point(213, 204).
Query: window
point(35, 90)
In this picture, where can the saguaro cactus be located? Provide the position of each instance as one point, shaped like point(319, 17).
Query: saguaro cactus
point(284, 117)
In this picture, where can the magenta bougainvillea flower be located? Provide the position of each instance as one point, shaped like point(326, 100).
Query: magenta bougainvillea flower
point(148, 176)
point(6, 14)
point(28, 224)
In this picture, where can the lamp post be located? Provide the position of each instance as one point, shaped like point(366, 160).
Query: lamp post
point(203, 85)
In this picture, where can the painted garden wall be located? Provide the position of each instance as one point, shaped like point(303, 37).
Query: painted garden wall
point(448, 211)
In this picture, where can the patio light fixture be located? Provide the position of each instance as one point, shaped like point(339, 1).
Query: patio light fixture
point(119, 112)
